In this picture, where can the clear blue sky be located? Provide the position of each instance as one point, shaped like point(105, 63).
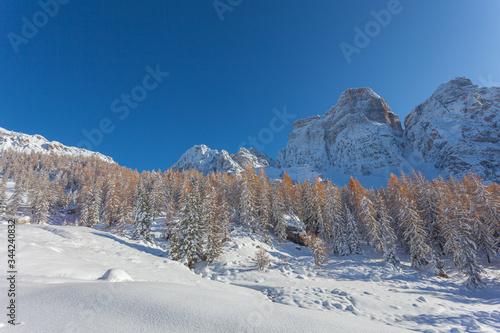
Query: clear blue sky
point(225, 77)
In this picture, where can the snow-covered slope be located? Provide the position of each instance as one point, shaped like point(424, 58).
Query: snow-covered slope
point(252, 155)
point(206, 160)
point(25, 143)
point(458, 129)
point(360, 134)
point(60, 289)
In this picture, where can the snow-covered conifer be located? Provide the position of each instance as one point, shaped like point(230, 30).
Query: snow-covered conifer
point(142, 220)
point(388, 237)
point(352, 231)
point(278, 218)
point(187, 241)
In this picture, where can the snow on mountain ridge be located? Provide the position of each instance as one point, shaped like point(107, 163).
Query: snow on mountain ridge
point(458, 129)
point(26, 143)
point(359, 134)
point(206, 160)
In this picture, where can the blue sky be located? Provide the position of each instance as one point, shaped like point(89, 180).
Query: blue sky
point(225, 77)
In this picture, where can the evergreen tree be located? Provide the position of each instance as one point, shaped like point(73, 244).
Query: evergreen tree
point(333, 231)
point(456, 225)
point(142, 220)
point(414, 230)
point(111, 211)
point(317, 247)
point(158, 197)
point(3, 196)
point(264, 203)
point(249, 206)
point(388, 237)
point(187, 243)
point(485, 217)
point(15, 200)
point(352, 232)
point(212, 223)
point(365, 213)
point(278, 218)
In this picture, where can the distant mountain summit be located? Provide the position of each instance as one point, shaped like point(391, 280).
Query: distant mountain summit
point(207, 160)
point(457, 129)
point(360, 134)
point(26, 143)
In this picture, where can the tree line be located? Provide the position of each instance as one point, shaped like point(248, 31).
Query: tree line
point(428, 219)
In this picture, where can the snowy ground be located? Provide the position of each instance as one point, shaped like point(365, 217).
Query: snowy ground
point(363, 286)
point(61, 290)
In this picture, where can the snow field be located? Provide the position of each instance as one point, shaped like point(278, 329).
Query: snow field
point(60, 290)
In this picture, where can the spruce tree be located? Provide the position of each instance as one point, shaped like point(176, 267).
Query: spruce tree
point(187, 242)
point(388, 237)
point(352, 232)
point(278, 218)
point(249, 205)
point(455, 222)
point(333, 232)
point(142, 220)
point(15, 200)
point(212, 223)
point(3, 196)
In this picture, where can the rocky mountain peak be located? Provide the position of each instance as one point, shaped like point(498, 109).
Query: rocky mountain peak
point(206, 160)
point(360, 134)
point(364, 102)
point(457, 129)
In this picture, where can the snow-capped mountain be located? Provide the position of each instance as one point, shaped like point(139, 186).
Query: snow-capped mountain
point(458, 129)
point(25, 143)
point(206, 160)
point(360, 134)
point(252, 155)
point(455, 131)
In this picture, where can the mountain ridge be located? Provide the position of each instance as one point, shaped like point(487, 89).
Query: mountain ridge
point(454, 131)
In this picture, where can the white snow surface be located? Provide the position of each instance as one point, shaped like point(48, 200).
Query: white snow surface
point(65, 274)
point(26, 143)
point(59, 290)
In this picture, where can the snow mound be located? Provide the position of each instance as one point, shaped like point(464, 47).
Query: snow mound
point(116, 275)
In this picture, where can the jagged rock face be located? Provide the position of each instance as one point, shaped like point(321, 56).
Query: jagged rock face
point(25, 143)
point(458, 129)
point(208, 160)
point(252, 155)
point(360, 134)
